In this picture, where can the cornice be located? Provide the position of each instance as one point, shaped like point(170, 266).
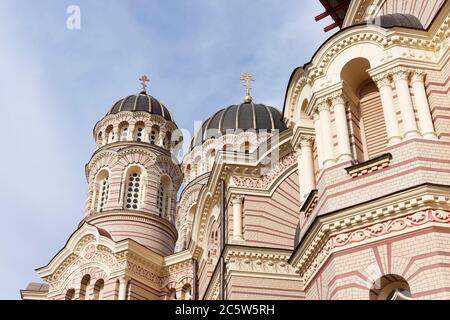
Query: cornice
point(317, 244)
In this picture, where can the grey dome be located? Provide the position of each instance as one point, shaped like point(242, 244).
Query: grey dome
point(244, 116)
point(398, 20)
point(141, 102)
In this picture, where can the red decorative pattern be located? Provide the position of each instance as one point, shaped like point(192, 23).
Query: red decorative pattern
point(89, 251)
point(265, 181)
point(391, 226)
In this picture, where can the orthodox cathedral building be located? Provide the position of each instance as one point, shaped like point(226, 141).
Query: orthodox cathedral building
point(345, 194)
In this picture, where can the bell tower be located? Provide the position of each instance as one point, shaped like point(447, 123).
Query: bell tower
point(133, 177)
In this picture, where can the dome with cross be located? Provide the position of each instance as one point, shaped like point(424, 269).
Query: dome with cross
point(142, 102)
point(242, 117)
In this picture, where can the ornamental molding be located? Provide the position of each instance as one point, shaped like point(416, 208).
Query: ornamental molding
point(189, 197)
point(359, 11)
point(308, 268)
point(135, 270)
point(86, 255)
point(99, 156)
point(390, 227)
point(236, 140)
point(167, 166)
point(112, 157)
point(145, 262)
point(265, 181)
point(385, 39)
point(213, 290)
point(132, 118)
point(137, 150)
point(261, 262)
point(178, 273)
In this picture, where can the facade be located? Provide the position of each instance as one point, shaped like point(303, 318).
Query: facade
point(343, 195)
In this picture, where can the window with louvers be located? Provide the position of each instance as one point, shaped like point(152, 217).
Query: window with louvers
point(375, 135)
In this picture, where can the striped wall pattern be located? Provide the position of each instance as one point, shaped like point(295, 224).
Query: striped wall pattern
point(272, 221)
point(422, 258)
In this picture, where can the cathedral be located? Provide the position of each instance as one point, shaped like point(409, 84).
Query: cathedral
point(344, 194)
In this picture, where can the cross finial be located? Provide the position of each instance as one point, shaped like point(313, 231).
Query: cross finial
point(144, 79)
point(247, 77)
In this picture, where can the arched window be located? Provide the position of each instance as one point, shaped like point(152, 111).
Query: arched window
point(375, 135)
point(390, 287)
point(154, 135)
point(134, 188)
point(246, 147)
point(98, 289)
point(367, 129)
point(109, 132)
point(124, 132)
point(172, 295)
point(186, 292)
point(85, 281)
point(139, 132)
point(164, 197)
point(101, 190)
point(70, 294)
point(227, 148)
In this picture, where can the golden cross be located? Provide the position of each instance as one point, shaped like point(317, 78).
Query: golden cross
point(144, 79)
point(247, 77)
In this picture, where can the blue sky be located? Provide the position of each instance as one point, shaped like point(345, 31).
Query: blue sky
point(56, 83)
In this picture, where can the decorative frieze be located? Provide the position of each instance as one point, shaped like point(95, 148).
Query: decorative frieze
point(265, 181)
point(390, 227)
point(310, 263)
point(262, 262)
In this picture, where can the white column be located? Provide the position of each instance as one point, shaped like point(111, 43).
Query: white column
point(327, 136)
point(340, 117)
point(406, 106)
point(387, 101)
point(123, 288)
point(423, 107)
point(301, 180)
point(319, 146)
point(116, 133)
point(131, 128)
point(237, 216)
point(307, 166)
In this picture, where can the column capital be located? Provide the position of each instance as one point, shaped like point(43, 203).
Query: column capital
point(237, 199)
point(382, 80)
point(306, 141)
point(417, 76)
point(400, 73)
point(322, 105)
point(338, 97)
point(316, 116)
